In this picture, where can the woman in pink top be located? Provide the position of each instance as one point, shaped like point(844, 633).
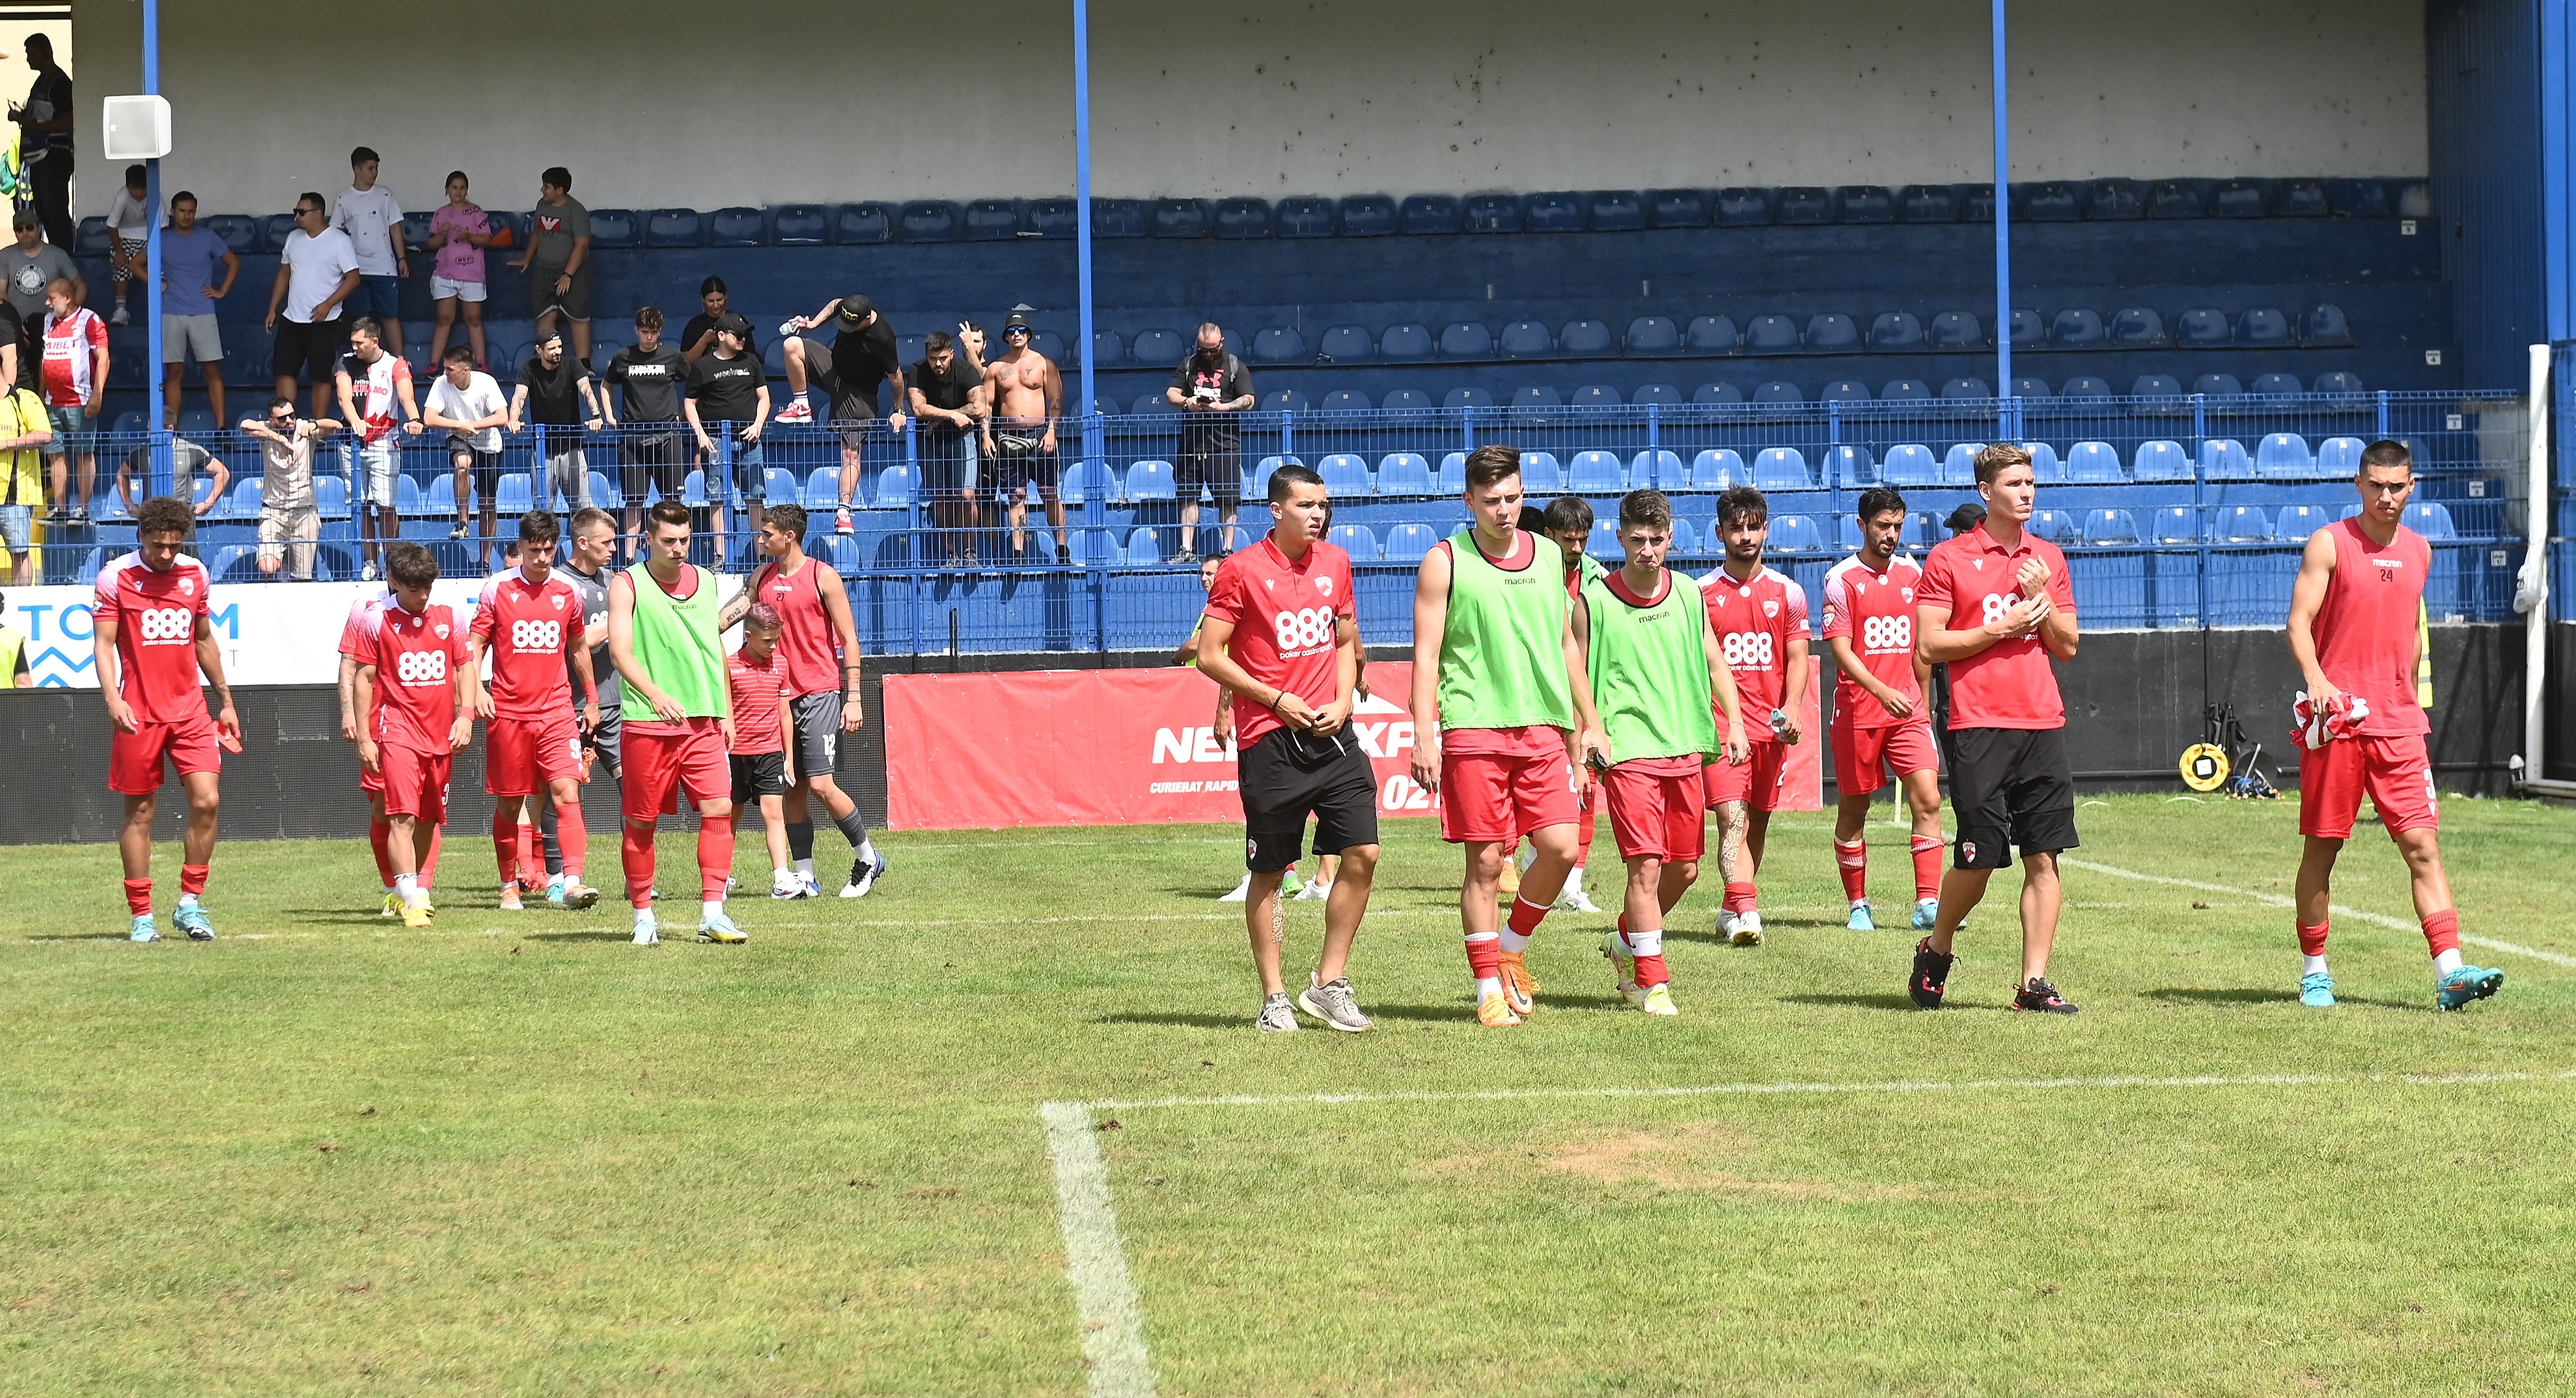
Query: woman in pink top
point(458, 233)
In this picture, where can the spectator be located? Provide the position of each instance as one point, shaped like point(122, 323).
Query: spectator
point(75, 378)
point(134, 476)
point(24, 430)
point(129, 225)
point(698, 337)
point(555, 397)
point(467, 402)
point(376, 403)
point(33, 264)
point(458, 234)
point(13, 653)
point(729, 395)
point(1209, 388)
point(558, 259)
point(1027, 395)
point(948, 398)
point(289, 521)
point(650, 375)
point(45, 142)
point(188, 296)
point(862, 355)
point(317, 271)
point(372, 218)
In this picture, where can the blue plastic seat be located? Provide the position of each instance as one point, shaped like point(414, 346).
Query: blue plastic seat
point(1905, 391)
point(2176, 524)
point(674, 228)
point(823, 489)
point(2283, 454)
point(1540, 473)
point(1559, 212)
point(1956, 330)
point(1653, 335)
point(1657, 394)
point(1347, 344)
point(1240, 218)
point(1711, 335)
point(1959, 463)
point(1491, 213)
point(1345, 474)
point(2077, 329)
point(1421, 214)
point(1595, 395)
point(894, 487)
point(2044, 464)
point(1589, 338)
point(1151, 480)
point(247, 497)
point(1181, 218)
point(1927, 203)
point(1661, 469)
point(2136, 327)
point(1771, 335)
point(273, 231)
point(2160, 460)
point(2056, 526)
point(1368, 216)
point(1465, 339)
point(1533, 397)
point(1779, 391)
point(1151, 404)
point(1603, 542)
point(1718, 468)
point(2218, 386)
point(1079, 476)
point(693, 489)
point(2084, 386)
point(858, 224)
point(1967, 388)
point(2026, 330)
point(1677, 208)
point(1844, 391)
point(1144, 548)
point(1403, 473)
point(1359, 540)
point(2244, 524)
point(516, 495)
point(2339, 457)
point(1739, 207)
point(929, 221)
point(2202, 327)
point(2030, 388)
point(2224, 458)
point(2430, 519)
point(1156, 348)
point(1896, 330)
point(240, 232)
point(1467, 396)
point(790, 226)
point(1452, 479)
point(1279, 344)
point(1259, 486)
point(1832, 332)
point(1407, 543)
point(2177, 199)
point(2094, 463)
point(1795, 534)
point(1406, 343)
point(2324, 324)
point(2112, 529)
point(1304, 216)
point(1909, 464)
point(991, 221)
point(1848, 464)
point(736, 228)
point(1717, 393)
point(2155, 386)
point(1346, 400)
point(1686, 541)
point(2294, 523)
point(2263, 325)
point(2278, 385)
point(1406, 400)
point(2338, 381)
point(1526, 339)
point(606, 496)
point(1096, 548)
point(1781, 468)
point(1595, 473)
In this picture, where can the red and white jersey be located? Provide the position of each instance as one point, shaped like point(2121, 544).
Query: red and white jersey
point(2010, 684)
point(364, 614)
point(371, 389)
point(1286, 625)
point(417, 656)
point(2365, 629)
point(1754, 621)
point(527, 628)
point(808, 644)
point(156, 635)
point(69, 363)
point(1875, 612)
point(759, 688)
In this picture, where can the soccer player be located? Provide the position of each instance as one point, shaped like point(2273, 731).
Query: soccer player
point(1760, 618)
point(1660, 680)
point(1879, 714)
point(1498, 680)
point(2353, 631)
point(819, 642)
point(1568, 520)
point(152, 637)
point(356, 634)
point(529, 621)
point(415, 684)
point(2009, 783)
point(594, 541)
point(1281, 638)
point(764, 738)
point(669, 649)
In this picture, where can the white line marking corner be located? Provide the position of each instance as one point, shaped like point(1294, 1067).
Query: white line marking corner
point(1113, 1332)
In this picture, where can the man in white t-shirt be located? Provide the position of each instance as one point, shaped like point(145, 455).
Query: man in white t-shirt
point(372, 217)
point(470, 405)
point(317, 271)
point(376, 402)
point(129, 223)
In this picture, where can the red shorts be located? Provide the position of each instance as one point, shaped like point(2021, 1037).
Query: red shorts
point(134, 759)
point(1757, 782)
point(523, 756)
point(2396, 772)
point(1490, 796)
point(415, 782)
point(1658, 815)
point(372, 783)
point(1861, 753)
point(660, 762)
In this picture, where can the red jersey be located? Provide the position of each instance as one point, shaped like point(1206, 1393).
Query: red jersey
point(759, 688)
point(1754, 621)
point(156, 635)
point(2365, 629)
point(364, 614)
point(2010, 684)
point(1286, 625)
point(527, 629)
point(417, 656)
point(808, 644)
point(1875, 612)
point(71, 346)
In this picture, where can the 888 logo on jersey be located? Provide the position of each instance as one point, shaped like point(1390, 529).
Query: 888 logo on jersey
point(1305, 630)
point(416, 667)
point(536, 635)
point(1746, 650)
point(1886, 634)
point(163, 625)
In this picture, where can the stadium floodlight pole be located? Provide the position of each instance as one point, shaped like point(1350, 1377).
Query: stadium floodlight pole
point(161, 469)
point(2008, 422)
point(1094, 457)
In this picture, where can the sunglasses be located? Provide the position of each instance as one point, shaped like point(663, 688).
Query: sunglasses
point(1018, 331)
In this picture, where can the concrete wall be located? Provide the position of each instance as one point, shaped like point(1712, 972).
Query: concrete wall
point(658, 102)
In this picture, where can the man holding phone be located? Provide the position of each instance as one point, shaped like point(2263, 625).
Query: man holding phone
point(1282, 635)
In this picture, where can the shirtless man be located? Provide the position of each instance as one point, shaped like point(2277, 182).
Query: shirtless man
point(1019, 438)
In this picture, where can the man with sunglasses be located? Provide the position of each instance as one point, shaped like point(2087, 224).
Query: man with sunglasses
point(1027, 396)
point(316, 272)
point(1209, 388)
point(862, 355)
point(289, 523)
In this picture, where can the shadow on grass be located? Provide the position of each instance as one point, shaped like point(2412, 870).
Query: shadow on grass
point(1890, 1001)
point(601, 935)
point(2250, 995)
point(81, 937)
point(1177, 1020)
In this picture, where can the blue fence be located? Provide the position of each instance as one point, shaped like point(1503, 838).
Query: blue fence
point(2181, 512)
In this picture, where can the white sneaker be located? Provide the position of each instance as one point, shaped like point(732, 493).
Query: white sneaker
point(1747, 931)
point(1725, 925)
point(367, 573)
point(1573, 899)
point(841, 522)
point(1241, 892)
point(1313, 892)
point(120, 318)
point(733, 884)
point(786, 884)
point(797, 410)
point(647, 932)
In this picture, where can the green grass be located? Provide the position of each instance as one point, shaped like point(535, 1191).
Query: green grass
point(517, 1155)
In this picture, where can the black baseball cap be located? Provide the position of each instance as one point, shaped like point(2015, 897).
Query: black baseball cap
point(855, 310)
point(1966, 517)
point(733, 323)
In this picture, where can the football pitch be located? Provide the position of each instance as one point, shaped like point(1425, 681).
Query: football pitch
point(1005, 1128)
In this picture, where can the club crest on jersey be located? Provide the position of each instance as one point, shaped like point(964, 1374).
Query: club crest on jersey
point(1770, 606)
point(1907, 593)
point(558, 601)
point(187, 587)
point(441, 629)
point(1324, 586)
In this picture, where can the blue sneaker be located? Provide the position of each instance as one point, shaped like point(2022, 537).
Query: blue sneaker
point(144, 931)
point(1860, 919)
point(864, 876)
point(1926, 912)
point(192, 920)
point(2466, 984)
point(555, 890)
point(2316, 989)
point(720, 928)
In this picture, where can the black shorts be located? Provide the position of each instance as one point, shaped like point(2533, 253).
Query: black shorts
point(483, 466)
point(603, 740)
point(759, 774)
point(943, 462)
point(1278, 795)
point(1016, 462)
point(544, 300)
point(314, 348)
point(1217, 466)
point(2010, 786)
point(652, 461)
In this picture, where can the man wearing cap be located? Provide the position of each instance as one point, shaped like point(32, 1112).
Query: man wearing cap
point(861, 356)
point(1019, 438)
point(32, 264)
point(729, 394)
point(1209, 388)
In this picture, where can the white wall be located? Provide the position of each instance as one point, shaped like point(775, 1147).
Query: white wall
point(661, 102)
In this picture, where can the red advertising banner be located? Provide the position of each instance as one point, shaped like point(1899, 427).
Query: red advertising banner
point(999, 749)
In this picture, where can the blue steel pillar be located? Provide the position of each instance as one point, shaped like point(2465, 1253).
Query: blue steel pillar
point(2008, 425)
point(161, 474)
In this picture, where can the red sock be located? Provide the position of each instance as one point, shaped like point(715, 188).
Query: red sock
point(1739, 898)
point(192, 880)
point(1525, 916)
point(2442, 931)
point(1852, 860)
point(1484, 956)
point(1927, 867)
point(378, 830)
point(1649, 967)
point(532, 870)
point(505, 846)
point(638, 858)
point(429, 866)
point(2312, 940)
point(138, 897)
point(572, 838)
point(715, 856)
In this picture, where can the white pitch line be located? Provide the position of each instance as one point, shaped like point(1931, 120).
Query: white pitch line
point(1113, 1332)
point(2556, 958)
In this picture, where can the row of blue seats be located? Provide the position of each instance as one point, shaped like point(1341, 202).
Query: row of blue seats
point(1376, 215)
point(2166, 391)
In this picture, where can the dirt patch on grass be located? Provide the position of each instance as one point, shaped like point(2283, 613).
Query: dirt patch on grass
point(1701, 1156)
